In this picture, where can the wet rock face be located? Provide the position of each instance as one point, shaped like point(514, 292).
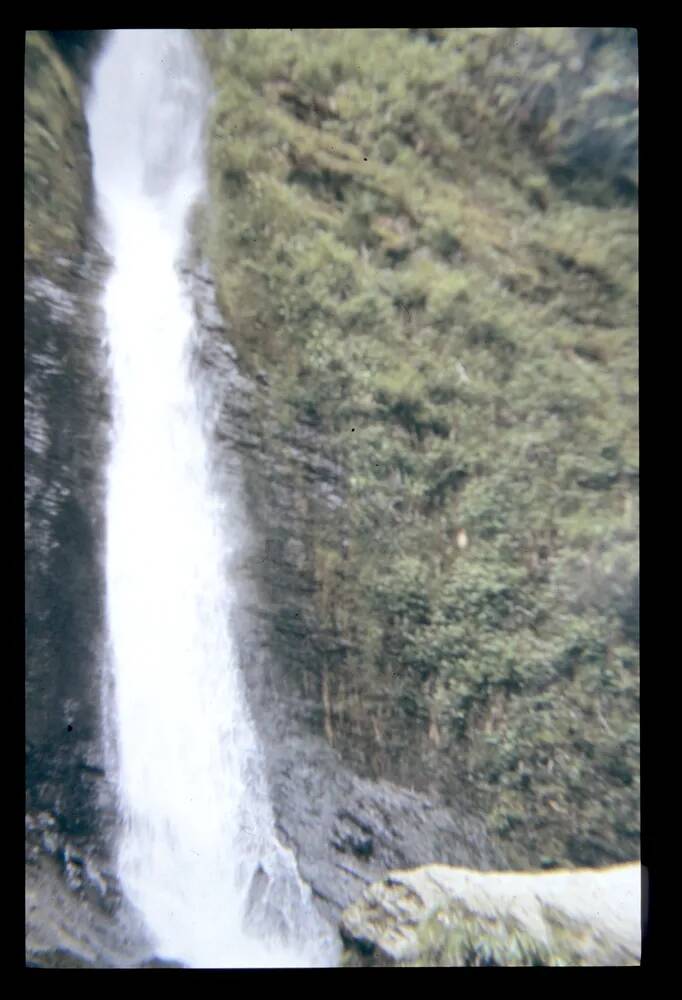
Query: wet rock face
point(71, 892)
point(65, 447)
point(66, 419)
point(75, 915)
point(347, 831)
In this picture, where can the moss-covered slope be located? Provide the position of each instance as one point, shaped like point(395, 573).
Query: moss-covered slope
point(57, 168)
point(426, 242)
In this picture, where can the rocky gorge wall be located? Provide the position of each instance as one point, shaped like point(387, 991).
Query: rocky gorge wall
point(66, 415)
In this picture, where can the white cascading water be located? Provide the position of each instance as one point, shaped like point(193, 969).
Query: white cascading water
point(198, 855)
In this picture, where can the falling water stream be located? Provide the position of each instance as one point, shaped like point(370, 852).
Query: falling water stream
point(198, 855)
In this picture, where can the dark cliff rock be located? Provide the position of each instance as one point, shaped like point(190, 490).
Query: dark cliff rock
point(66, 421)
point(347, 831)
point(78, 49)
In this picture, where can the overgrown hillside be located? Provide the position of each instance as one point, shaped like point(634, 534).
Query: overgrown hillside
point(425, 243)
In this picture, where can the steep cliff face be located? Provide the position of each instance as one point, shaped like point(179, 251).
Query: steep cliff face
point(66, 413)
point(425, 244)
point(65, 444)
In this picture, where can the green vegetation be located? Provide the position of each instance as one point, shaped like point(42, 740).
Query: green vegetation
point(428, 240)
point(57, 180)
point(454, 939)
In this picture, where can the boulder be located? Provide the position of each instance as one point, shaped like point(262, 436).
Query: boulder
point(440, 915)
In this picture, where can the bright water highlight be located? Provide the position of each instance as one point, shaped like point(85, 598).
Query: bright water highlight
point(198, 854)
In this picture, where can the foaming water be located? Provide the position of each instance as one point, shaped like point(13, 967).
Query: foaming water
point(198, 855)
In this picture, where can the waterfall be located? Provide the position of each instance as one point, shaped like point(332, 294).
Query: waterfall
point(198, 856)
